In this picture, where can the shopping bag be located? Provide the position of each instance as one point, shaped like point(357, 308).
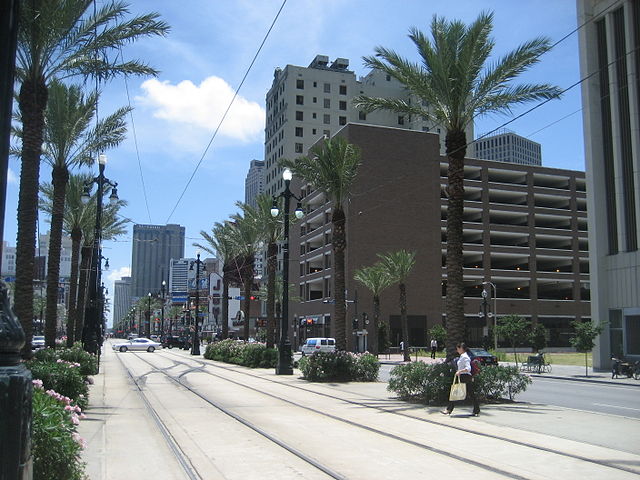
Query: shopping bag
point(458, 390)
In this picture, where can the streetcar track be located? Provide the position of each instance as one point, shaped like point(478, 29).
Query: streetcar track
point(602, 463)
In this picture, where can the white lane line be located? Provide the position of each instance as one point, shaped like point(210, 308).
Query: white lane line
point(616, 406)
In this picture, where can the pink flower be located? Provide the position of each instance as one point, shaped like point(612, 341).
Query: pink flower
point(79, 440)
point(37, 383)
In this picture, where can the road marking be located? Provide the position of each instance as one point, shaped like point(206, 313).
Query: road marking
point(616, 406)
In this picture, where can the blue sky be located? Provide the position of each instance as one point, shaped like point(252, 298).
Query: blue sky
point(205, 56)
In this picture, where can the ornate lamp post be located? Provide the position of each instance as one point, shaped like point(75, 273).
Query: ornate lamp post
point(195, 341)
point(495, 312)
point(92, 325)
point(284, 366)
point(147, 322)
point(162, 290)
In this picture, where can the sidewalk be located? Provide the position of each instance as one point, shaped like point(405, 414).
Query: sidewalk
point(560, 372)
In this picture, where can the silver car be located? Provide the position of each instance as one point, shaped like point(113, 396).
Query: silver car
point(37, 342)
point(137, 344)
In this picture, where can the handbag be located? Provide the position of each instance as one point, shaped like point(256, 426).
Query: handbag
point(458, 390)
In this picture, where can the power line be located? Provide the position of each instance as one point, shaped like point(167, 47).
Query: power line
point(224, 116)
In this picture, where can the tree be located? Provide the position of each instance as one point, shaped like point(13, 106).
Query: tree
point(398, 266)
point(583, 341)
point(439, 333)
point(451, 85)
point(514, 329)
point(538, 337)
point(61, 39)
point(376, 279)
point(331, 168)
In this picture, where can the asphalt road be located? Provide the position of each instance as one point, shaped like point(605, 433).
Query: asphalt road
point(623, 400)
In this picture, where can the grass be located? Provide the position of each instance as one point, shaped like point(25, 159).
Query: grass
point(552, 358)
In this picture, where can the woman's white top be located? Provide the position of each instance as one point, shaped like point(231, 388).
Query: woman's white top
point(464, 363)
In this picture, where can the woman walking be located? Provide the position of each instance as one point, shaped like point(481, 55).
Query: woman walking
point(464, 372)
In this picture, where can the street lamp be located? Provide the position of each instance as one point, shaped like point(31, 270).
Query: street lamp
point(92, 324)
point(164, 284)
point(284, 366)
point(195, 343)
point(147, 322)
point(495, 313)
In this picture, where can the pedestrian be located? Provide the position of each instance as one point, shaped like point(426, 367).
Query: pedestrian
point(464, 372)
point(434, 347)
point(401, 347)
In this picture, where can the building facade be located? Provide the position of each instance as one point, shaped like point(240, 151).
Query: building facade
point(525, 231)
point(610, 63)
point(121, 299)
point(508, 147)
point(153, 248)
point(178, 280)
point(254, 182)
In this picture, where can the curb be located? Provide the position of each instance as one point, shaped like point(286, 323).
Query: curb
point(584, 380)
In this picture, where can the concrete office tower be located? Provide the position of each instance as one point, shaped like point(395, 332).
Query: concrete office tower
point(254, 183)
point(506, 146)
point(153, 247)
point(178, 280)
point(305, 103)
point(610, 47)
point(121, 299)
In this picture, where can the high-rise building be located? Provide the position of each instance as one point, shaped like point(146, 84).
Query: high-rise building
point(179, 280)
point(121, 299)
point(153, 248)
point(508, 147)
point(254, 183)
point(307, 103)
point(610, 64)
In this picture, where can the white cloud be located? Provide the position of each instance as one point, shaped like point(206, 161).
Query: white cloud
point(200, 108)
point(11, 177)
point(118, 273)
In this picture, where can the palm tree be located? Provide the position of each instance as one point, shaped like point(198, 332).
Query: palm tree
point(453, 84)
point(219, 243)
point(69, 142)
point(398, 266)
point(376, 279)
point(331, 168)
point(61, 39)
point(245, 235)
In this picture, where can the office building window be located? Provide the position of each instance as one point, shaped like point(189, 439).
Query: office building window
point(342, 120)
point(315, 99)
point(299, 132)
point(327, 88)
point(362, 115)
point(327, 103)
point(298, 148)
point(343, 89)
point(388, 78)
point(313, 131)
point(299, 115)
point(327, 133)
point(342, 105)
point(400, 119)
point(326, 119)
point(314, 115)
point(299, 100)
point(315, 84)
point(300, 83)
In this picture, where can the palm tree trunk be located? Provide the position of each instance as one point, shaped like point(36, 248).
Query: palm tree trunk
point(403, 321)
point(59, 179)
point(455, 144)
point(339, 246)
point(85, 264)
point(247, 280)
point(32, 102)
point(76, 238)
point(272, 251)
point(225, 304)
point(373, 327)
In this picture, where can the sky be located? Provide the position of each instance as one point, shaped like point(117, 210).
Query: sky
point(204, 58)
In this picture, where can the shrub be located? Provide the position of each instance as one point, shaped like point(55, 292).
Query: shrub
point(62, 377)
point(431, 383)
point(88, 362)
point(339, 367)
point(252, 355)
point(55, 443)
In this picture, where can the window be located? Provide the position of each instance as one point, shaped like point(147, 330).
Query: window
point(315, 99)
point(299, 100)
point(326, 119)
point(298, 148)
point(327, 133)
point(342, 120)
point(388, 78)
point(400, 119)
point(362, 116)
point(299, 132)
point(343, 89)
point(327, 103)
point(315, 84)
point(342, 105)
point(299, 115)
point(314, 115)
point(299, 83)
point(313, 131)
point(327, 88)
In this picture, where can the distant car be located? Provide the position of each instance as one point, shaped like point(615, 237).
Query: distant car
point(37, 342)
point(137, 344)
point(179, 342)
point(484, 357)
point(318, 345)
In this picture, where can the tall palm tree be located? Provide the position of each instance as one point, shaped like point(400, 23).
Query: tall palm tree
point(331, 168)
point(375, 278)
point(453, 83)
point(220, 244)
point(245, 235)
point(398, 266)
point(61, 39)
point(69, 142)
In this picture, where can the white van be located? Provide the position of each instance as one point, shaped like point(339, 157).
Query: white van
point(318, 345)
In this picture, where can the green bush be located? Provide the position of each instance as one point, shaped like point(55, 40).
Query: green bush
point(88, 362)
point(55, 444)
point(430, 384)
point(339, 367)
point(62, 377)
point(254, 355)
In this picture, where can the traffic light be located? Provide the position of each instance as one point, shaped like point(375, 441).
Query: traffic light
point(309, 321)
point(254, 297)
point(355, 323)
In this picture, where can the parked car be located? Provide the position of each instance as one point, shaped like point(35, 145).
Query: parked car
point(318, 345)
point(179, 342)
point(137, 344)
point(484, 357)
point(37, 342)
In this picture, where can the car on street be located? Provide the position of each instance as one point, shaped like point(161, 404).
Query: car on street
point(37, 342)
point(484, 357)
point(138, 345)
point(175, 341)
point(320, 344)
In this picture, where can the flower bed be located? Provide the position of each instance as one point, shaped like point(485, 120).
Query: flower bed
point(253, 355)
point(339, 367)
